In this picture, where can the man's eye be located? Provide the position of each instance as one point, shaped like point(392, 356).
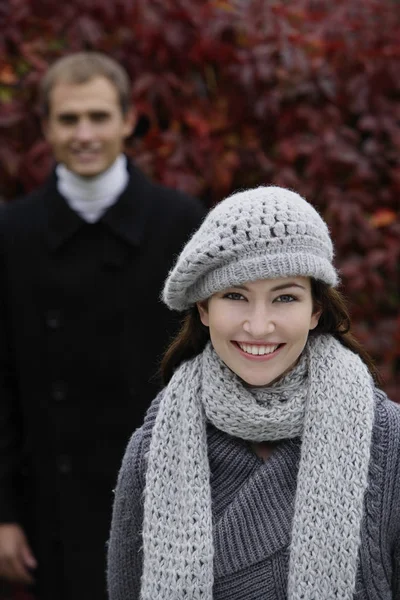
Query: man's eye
point(234, 296)
point(99, 117)
point(285, 298)
point(67, 119)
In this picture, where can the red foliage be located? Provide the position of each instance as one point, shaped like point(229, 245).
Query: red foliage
point(236, 93)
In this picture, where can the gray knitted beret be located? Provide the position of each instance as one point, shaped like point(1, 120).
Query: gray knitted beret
point(260, 233)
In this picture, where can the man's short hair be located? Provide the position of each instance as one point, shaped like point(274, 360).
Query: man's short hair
point(81, 67)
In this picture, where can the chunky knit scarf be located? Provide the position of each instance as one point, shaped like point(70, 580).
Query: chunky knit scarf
point(331, 408)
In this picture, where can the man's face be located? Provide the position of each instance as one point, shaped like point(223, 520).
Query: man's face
point(85, 125)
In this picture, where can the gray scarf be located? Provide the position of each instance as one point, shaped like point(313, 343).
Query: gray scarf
point(331, 409)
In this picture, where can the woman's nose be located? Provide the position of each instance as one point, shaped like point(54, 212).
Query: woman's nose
point(259, 323)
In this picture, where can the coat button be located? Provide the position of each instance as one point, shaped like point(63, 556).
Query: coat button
point(64, 465)
point(59, 391)
point(53, 319)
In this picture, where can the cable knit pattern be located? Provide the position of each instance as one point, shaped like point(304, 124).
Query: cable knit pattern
point(262, 233)
point(333, 413)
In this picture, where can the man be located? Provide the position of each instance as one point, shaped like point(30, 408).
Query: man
point(82, 263)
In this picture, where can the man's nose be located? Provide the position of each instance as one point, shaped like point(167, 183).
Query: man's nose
point(259, 322)
point(84, 130)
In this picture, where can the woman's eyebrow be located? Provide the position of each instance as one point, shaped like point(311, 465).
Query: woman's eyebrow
point(284, 286)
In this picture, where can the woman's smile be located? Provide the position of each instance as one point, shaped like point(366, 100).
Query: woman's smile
point(257, 351)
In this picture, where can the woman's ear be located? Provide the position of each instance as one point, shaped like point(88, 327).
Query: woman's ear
point(315, 318)
point(202, 307)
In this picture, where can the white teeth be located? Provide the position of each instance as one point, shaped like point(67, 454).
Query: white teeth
point(257, 350)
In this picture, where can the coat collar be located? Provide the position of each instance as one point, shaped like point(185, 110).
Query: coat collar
point(126, 218)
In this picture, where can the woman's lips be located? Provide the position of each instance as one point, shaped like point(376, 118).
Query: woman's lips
point(257, 352)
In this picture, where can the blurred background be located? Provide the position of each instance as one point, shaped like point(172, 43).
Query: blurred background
point(237, 93)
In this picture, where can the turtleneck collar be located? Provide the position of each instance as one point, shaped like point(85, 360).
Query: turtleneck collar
point(91, 197)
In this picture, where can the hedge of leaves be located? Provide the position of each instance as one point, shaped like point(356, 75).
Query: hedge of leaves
point(235, 93)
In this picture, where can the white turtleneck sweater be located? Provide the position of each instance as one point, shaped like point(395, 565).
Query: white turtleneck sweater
point(90, 197)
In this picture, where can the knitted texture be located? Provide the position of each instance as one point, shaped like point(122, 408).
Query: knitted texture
point(333, 413)
point(261, 233)
point(253, 507)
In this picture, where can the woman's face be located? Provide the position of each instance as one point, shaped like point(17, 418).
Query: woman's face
point(259, 329)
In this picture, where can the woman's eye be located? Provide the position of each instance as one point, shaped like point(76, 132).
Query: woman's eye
point(285, 298)
point(234, 296)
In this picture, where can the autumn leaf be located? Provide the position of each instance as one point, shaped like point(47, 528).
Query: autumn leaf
point(383, 217)
point(7, 75)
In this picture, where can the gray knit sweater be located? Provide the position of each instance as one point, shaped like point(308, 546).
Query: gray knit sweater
point(253, 504)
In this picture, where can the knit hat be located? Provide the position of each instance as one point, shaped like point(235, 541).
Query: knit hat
point(260, 233)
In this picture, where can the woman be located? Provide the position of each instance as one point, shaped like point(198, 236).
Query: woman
point(269, 466)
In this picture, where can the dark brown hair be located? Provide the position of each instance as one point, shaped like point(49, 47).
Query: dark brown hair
point(82, 67)
point(334, 319)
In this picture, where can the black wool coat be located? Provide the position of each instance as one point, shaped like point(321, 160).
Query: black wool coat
point(82, 329)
